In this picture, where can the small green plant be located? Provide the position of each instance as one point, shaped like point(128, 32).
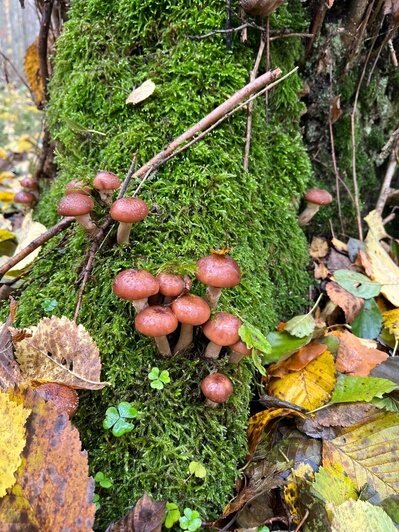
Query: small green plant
point(190, 520)
point(172, 514)
point(158, 378)
point(48, 305)
point(263, 529)
point(197, 469)
point(115, 418)
point(96, 501)
point(103, 480)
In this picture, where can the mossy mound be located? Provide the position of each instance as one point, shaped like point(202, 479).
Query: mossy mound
point(200, 200)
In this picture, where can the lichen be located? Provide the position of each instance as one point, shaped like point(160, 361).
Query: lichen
point(200, 200)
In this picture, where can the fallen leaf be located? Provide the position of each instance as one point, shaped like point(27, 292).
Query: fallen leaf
point(337, 261)
point(391, 322)
point(254, 338)
point(297, 361)
point(141, 93)
point(339, 245)
point(350, 389)
point(353, 357)
point(9, 369)
point(291, 491)
point(363, 261)
point(311, 387)
point(296, 449)
point(357, 284)
point(320, 271)
point(376, 225)
point(13, 417)
point(318, 247)
point(332, 484)
point(384, 270)
point(388, 370)
point(368, 323)
point(335, 103)
point(60, 351)
point(146, 516)
point(361, 515)
point(350, 304)
point(283, 344)
point(301, 326)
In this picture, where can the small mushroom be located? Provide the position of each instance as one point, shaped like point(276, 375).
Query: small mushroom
point(135, 286)
point(217, 272)
point(190, 310)
point(25, 199)
point(77, 186)
point(315, 198)
point(127, 211)
point(221, 330)
point(261, 8)
point(79, 206)
point(106, 183)
point(238, 351)
point(29, 183)
point(64, 398)
point(217, 389)
point(170, 286)
point(157, 322)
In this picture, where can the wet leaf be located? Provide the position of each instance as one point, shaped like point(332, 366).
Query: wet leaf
point(298, 360)
point(311, 387)
point(350, 389)
point(384, 270)
point(369, 453)
point(141, 93)
point(146, 516)
point(353, 357)
point(361, 516)
point(13, 417)
point(283, 344)
point(301, 326)
point(368, 322)
point(331, 484)
point(357, 284)
point(60, 351)
point(350, 304)
point(254, 338)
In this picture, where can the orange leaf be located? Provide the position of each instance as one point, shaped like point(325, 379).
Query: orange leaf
point(353, 357)
point(349, 303)
point(298, 360)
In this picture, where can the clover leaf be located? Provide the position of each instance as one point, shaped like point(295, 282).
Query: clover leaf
point(115, 418)
point(172, 514)
point(158, 378)
point(103, 480)
point(197, 469)
point(190, 521)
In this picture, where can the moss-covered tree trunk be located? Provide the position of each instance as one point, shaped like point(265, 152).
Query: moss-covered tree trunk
point(200, 200)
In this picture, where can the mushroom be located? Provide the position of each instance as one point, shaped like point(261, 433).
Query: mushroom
point(262, 8)
point(106, 183)
point(25, 199)
point(79, 206)
point(221, 330)
point(157, 322)
point(135, 286)
point(29, 183)
point(77, 186)
point(315, 198)
point(127, 211)
point(217, 272)
point(64, 398)
point(217, 389)
point(190, 310)
point(238, 351)
point(170, 286)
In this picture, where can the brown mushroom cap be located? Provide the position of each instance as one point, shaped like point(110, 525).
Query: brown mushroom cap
point(240, 347)
point(106, 181)
point(156, 321)
point(75, 204)
point(191, 309)
point(318, 196)
point(77, 186)
point(217, 387)
point(24, 197)
point(129, 210)
point(135, 284)
point(222, 329)
point(65, 399)
point(219, 271)
point(170, 285)
point(30, 183)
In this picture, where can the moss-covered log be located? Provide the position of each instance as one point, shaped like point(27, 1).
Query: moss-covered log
point(202, 199)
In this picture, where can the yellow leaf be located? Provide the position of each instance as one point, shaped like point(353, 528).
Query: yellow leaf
point(32, 72)
point(6, 175)
point(3, 153)
point(332, 484)
point(21, 145)
point(383, 269)
point(6, 235)
point(353, 516)
point(391, 321)
point(6, 196)
point(311, 387)
point(376, 226)
point(291, 490)
point(369, 453)
point(12, 439)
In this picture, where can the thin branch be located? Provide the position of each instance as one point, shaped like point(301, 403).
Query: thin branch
point(388, 147)
point(19, 76)
point(386, 185)
point(392, 51)
point(36, 243)
point(228, 30)
point(43, 42)
point(336, 172)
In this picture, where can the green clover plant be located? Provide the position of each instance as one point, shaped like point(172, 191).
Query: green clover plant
point(158, 378)
point(115, 418)
point(190, 521)
point(103, 480)
point(48, 305)
point(172, 514)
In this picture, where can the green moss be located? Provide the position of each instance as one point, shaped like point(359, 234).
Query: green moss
point(199, 200)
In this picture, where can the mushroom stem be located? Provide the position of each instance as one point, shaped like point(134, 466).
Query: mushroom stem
point(310, 210)
point(185, 338)
point(212, 350)
point(86, 222)
point(106, 197)
point(211, 404)
point(163, 346)
point(140, 304)
point(235, 357)
point(213, 295)
point(123, 233)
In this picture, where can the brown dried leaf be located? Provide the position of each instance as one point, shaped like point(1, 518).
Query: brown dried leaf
point(141, 93)
point(349, 303)
point(320, 271)
point(337, 261)
point(146, 516)
point(335, 103)
point(60, 351)
point(353, 357)
point(9, 369)
point(32, 72)
point(363, 261)
point(297, 361)
point(318, 247)
point(53, 476)
point(339, 245)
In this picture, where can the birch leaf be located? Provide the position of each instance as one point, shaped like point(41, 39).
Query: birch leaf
point(360, 515)
point(141, 93)
point(383, 270)
point(350, 389)
point(301, 326)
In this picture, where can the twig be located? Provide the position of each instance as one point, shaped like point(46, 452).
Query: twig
point(229, 30)
point(252, 77)
point(394, 58)
point(267, 38)
point(21, 79)
point(387, 149)
point(287, 35)
point(298, 528)
point(336, 172)
point(386, 185)
point(37, 242)
point(43, 42)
